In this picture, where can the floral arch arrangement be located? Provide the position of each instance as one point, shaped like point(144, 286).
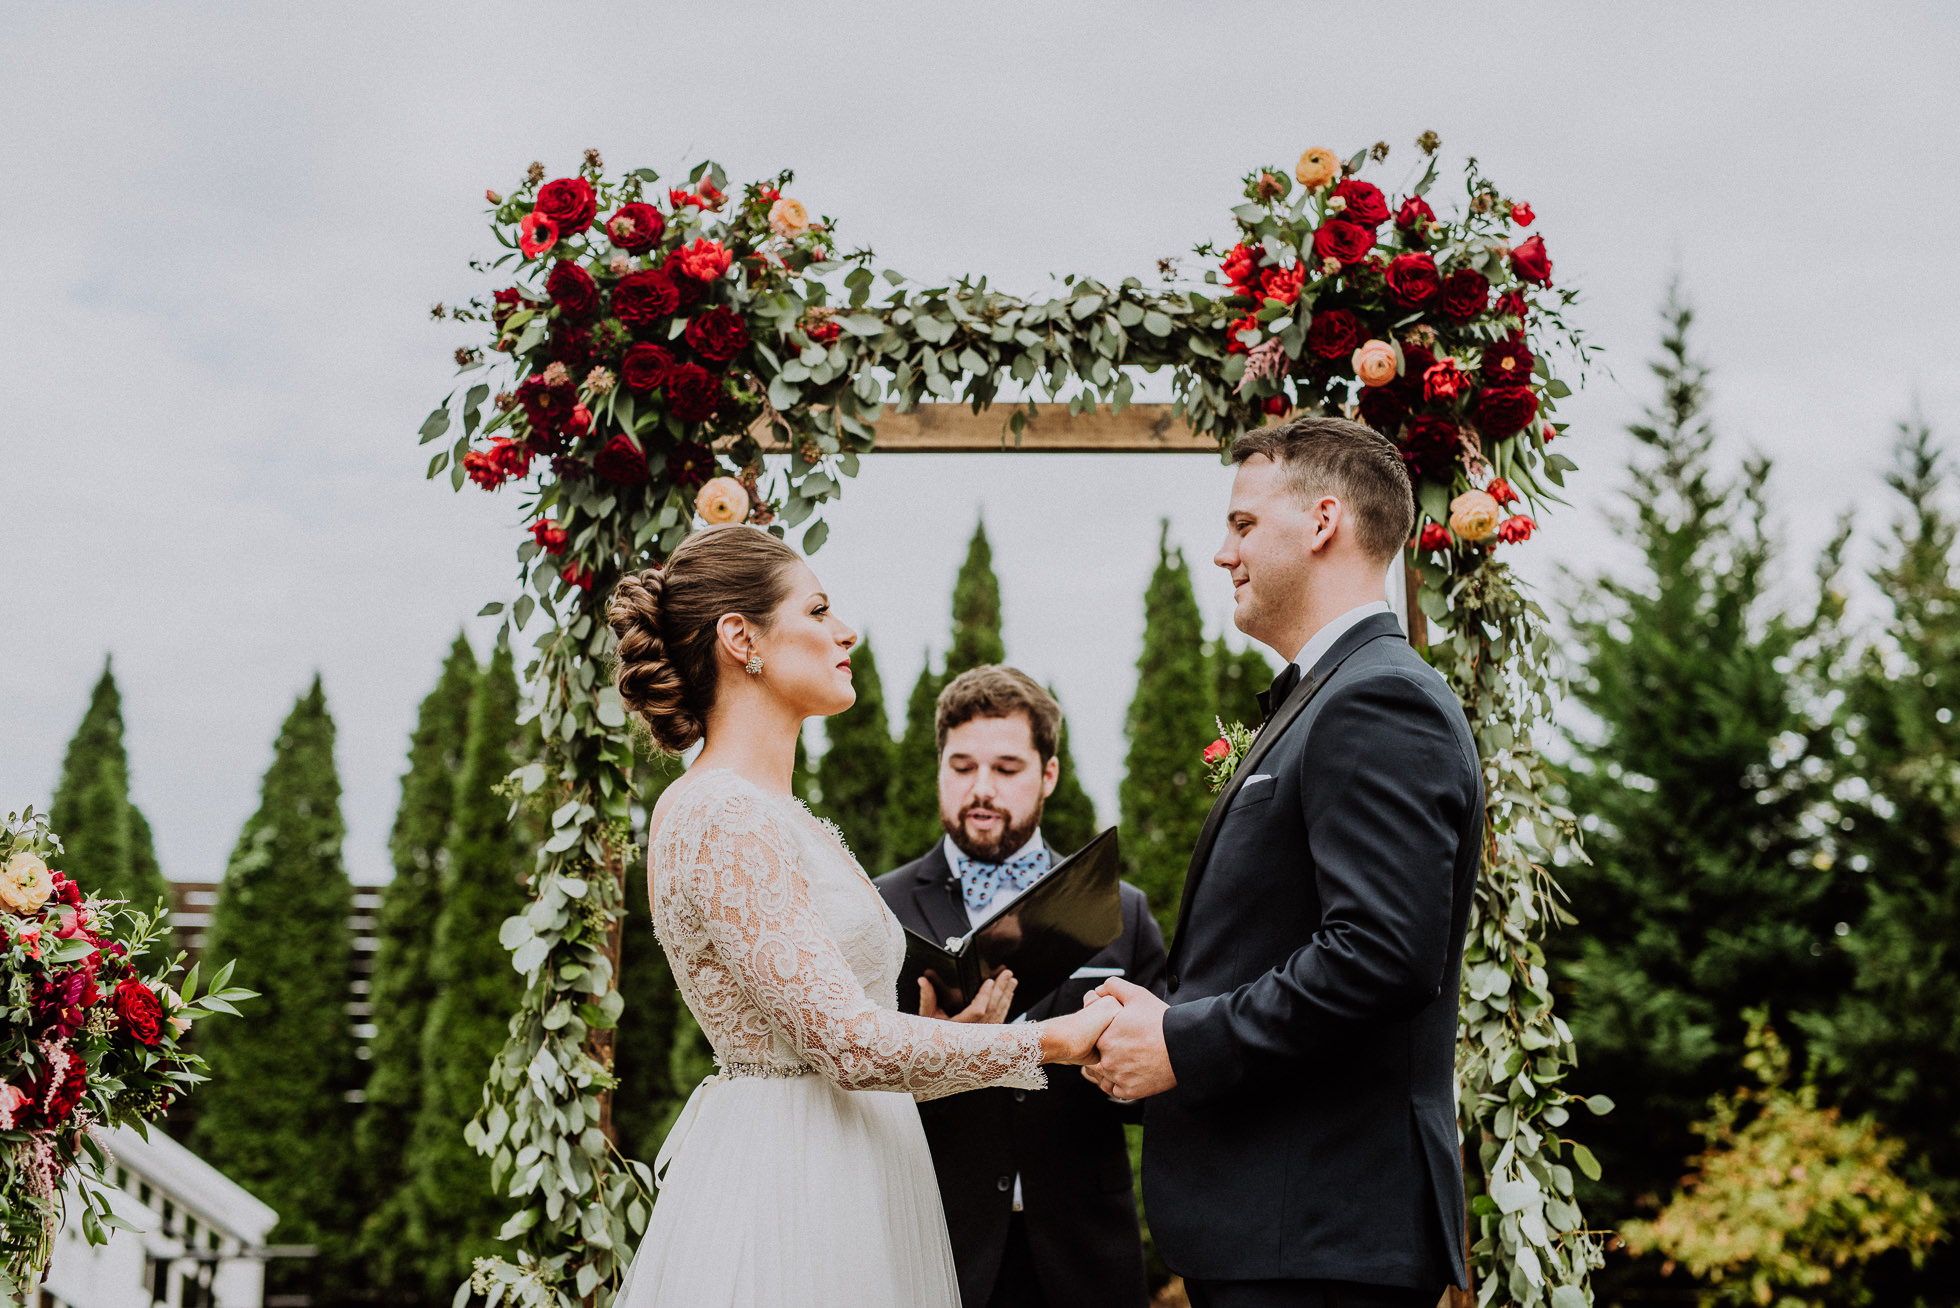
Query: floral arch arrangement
point(652, 347)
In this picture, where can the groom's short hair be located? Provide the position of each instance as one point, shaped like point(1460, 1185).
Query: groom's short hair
point(995, 690)
point(1355, 464)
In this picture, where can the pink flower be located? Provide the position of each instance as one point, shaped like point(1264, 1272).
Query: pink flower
point(536, 234)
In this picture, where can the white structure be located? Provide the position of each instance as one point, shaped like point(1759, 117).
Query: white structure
point(200, 1242)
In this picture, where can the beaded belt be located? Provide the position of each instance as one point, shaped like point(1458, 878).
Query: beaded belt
point(766, 1069)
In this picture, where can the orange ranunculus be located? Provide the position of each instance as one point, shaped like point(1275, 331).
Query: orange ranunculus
point(788, 218)
point(722, 499)
point(25, 883)
point(1474, 515)
point(1317, 167)
point(1374, 363)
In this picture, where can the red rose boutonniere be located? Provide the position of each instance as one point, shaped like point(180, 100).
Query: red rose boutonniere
point(1222, 756)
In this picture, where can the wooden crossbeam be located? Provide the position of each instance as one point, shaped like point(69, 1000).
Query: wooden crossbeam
point(956, 429)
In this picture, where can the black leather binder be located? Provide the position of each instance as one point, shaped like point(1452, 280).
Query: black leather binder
point(1044, 933)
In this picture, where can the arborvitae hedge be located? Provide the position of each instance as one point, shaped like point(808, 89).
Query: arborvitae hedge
point(1239, 677)
point(855, 773)
point(403, 984)
point(452, 1209)
point(912, 815)
point(976, 610)
point(275, 1116)
point(105, 841)
point(1069, 820)
point(1163, 794)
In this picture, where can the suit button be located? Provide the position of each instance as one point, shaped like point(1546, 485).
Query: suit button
point(1005, 1184)
point(1020, 1096)
point(1175, 981)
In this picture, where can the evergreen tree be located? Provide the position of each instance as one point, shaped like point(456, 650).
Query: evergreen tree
point(453, 1212)
point(275, 1116)
point(855, 773)
point(1068, 821)
point(1163, 795)
point(105, 841)
point(1239, 678)
point(912, 814)
point(976, 610)
point(403, 984)
point(1701, 779)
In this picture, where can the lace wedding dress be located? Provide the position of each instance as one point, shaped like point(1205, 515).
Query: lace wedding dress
point(799, 1174)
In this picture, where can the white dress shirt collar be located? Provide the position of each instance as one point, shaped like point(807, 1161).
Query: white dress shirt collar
point(1323, 640)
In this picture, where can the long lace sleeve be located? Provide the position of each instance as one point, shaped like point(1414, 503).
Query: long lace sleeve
point(740, 873)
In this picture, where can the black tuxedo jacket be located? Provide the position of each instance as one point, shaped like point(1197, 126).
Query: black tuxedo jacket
point(1313, 981)
point(1066, 1142)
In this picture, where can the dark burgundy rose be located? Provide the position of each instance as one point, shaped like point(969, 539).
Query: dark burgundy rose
point(1502, 410)
point(636, 227)
point(566, 468)
point(622, 461)
point(1416, 360)
point(1365, 203)
point(1411, 280)
point(569, 344)
point(1507, 362)
point(1530, 261)
point(1383, 409)
point(1334, 334)
point(68, 892)
point(1465, 293)
point(1431, 445)
point(690, 464)
point(572, 289)
point(1413, 217)
point(569, 203)
point(139, 1012)
point(718, 335)
point(1339, 239)
point(646, 366)
point(693, 393)
point(644, 298)
point(690, 290)
point(547, 406)
point(506, 302)
point(1511, 305)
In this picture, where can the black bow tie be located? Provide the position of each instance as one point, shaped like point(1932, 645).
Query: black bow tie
point(1283, 684)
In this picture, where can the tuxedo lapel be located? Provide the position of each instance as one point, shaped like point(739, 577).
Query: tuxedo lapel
point(937, 897)
point(1369, 629)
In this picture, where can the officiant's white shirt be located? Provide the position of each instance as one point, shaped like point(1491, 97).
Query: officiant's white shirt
point(1323, 640)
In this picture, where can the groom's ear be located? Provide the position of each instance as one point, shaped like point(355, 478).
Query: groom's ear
point(1325, 516)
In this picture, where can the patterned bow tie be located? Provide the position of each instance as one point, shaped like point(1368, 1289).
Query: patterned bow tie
point(980, 882)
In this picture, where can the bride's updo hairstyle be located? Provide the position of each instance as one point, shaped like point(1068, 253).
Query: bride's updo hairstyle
point(664, 620)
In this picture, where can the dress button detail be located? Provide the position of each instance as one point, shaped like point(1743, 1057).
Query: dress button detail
point(1005, 1184)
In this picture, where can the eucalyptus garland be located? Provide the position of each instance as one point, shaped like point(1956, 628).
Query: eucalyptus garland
point(654, 354)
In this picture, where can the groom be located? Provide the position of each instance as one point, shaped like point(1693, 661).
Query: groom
point(1300, 1142)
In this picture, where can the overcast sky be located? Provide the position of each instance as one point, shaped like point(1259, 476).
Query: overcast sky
point(227, 223)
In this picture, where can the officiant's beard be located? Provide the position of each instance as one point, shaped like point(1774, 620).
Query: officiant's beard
point(1012, 835)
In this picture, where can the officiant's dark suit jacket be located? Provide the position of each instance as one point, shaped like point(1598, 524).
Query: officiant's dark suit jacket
point(1066, 1142)
point(1313, 982)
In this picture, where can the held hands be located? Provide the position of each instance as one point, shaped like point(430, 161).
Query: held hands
point(1130, 1060)
point(991, 1004)
point(1072, 1039)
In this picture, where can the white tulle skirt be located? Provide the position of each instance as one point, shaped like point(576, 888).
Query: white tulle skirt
point(790, 1191)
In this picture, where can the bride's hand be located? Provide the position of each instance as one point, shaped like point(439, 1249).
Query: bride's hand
point(1072, 1039)
point(996, 995)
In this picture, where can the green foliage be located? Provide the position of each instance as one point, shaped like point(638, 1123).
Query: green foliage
point(404, 984)
point(1239, 677)
point(452, 1210)
point(647, 1097)
point(276, 1116)
point(1710, 891)
point(1163, 795)
point(912, 816)
point(855, 773)
point(106, 842)
point(1068, 820)
point(976, 610)
point(1787, 1206)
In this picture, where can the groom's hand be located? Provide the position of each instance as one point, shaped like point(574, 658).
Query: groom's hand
point(1131, 1061)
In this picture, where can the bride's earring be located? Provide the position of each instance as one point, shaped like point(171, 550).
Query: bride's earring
point(754, 666)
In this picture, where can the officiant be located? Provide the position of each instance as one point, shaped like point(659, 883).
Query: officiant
point(1036, 1184)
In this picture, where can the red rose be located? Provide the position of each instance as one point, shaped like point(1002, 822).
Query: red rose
point(1416, 360)
point(1283, 284)
point(1515, 531)
point(1383, 409)
point(1233, 345)
point(569, 344)
point(690, 464)
point(576, 574)
point(823, 332)
point(503, 460)
point(1242, 269)
point(1431, 445)
point(1521, 214)
point(1217, 750)
point(1411, 280)
point(1511, 305)
point(1507, 362)
point(636, 227)
point(579, 423)
point(551, 537)
point(1365, 203)
point(693, 393)
point(1502, 410)
point(1500, 490)
point(1529, 261)
point(1465, 293)
point(1343, 241)
point(1277, 405)
point(139, 1011)
point(536, 234)
point(569, 203)
point(644, 298)
point(622, 461)
point(1444, 380)
point(704, 260)
point(572, 289)
point(1334, 333)
point(1435, 536)
point(1413, 219)
point(718, 335)
point(646, 366)
point(67, 891)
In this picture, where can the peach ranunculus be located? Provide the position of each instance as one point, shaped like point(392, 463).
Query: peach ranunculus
point(25, 883)
point(1474, 515)
point(788, 218)
point(1375, 363)
point(1317, 167)
point(722, 499)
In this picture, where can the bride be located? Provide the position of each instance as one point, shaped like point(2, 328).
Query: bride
point(798, 1174)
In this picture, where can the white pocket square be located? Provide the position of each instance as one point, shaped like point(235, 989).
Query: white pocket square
point(1081, 972)
point(1256, 778)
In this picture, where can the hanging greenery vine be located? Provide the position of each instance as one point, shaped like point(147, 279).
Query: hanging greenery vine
point(654, 347)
